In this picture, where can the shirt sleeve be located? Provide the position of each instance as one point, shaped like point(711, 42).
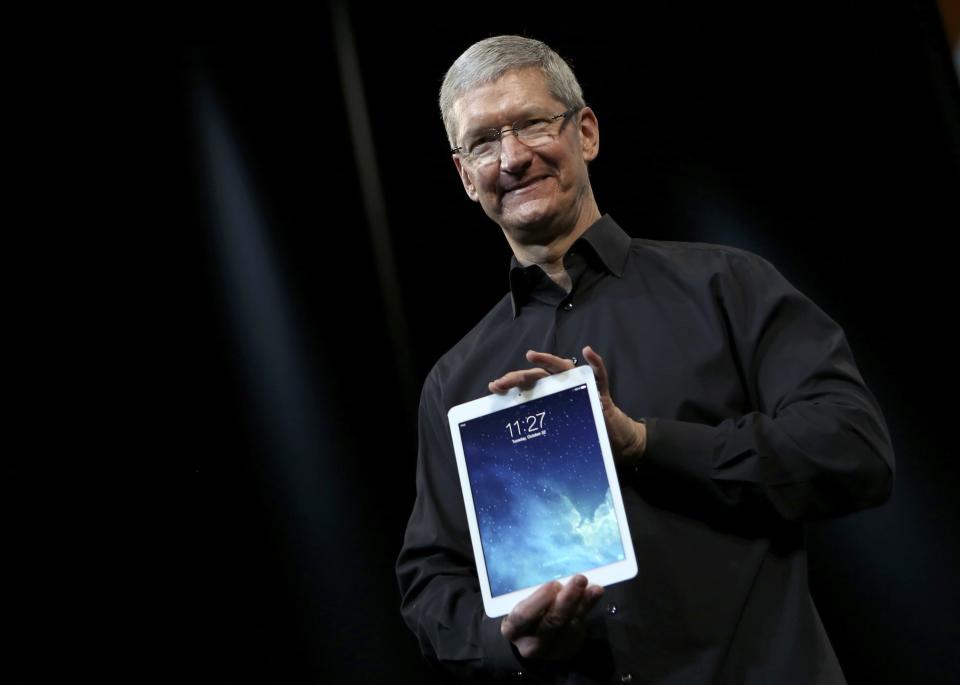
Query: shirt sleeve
point(441, 600)
point(816, 444)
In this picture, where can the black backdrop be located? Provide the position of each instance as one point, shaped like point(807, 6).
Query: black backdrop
point(823, 136)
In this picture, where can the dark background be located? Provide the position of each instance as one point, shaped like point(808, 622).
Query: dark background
point(278, 383)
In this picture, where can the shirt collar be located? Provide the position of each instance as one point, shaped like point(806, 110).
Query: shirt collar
point(604, 238)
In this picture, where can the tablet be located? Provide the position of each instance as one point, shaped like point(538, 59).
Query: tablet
point(540, 488)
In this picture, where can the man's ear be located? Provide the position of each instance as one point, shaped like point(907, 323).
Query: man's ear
point(468, 184)
point(589, 134)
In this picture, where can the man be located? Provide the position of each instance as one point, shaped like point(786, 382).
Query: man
point(733, 404)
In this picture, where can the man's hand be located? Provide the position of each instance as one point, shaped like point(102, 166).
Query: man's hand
point(549, 623)
point(628, 438)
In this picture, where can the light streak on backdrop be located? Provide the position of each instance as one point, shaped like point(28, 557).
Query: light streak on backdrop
point(265, 331)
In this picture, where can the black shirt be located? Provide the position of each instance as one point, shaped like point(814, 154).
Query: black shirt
point(757, 420)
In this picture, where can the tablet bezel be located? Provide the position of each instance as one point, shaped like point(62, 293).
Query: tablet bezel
point(604, 575)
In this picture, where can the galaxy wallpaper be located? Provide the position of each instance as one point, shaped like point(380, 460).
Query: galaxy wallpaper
point(540, 490)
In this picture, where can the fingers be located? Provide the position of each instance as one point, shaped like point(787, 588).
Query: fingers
point(527, 615)
point(549, 624)
point(591, 595)
point(565, 606)
point(599, 370)
point(550, 362)
point(525, 378)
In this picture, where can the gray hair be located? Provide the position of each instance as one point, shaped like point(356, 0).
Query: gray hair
point(489, 59)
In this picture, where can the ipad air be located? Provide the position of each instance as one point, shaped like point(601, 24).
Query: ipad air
point(540, 489)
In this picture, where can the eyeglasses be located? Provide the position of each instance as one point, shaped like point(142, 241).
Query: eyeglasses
point(484, 147)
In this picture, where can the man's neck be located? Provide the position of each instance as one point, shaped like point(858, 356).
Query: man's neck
point(549, 255)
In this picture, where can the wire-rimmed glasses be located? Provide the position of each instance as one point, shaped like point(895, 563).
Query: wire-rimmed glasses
point(484, 147)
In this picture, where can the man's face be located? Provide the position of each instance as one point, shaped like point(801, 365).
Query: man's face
point(531, 192)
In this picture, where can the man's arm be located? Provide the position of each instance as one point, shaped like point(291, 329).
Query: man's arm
point(816, 443)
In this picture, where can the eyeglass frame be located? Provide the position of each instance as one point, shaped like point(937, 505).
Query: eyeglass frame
point(513, 127)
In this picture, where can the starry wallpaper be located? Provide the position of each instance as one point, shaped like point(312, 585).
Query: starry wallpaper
point(543, 504)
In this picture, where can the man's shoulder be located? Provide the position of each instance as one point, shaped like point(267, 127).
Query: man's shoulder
point(609, 239)
point(724, 270)
point(694, 255)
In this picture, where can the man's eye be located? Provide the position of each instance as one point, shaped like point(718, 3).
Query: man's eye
point(481, 147)
point(484, 140)
point(534, 124)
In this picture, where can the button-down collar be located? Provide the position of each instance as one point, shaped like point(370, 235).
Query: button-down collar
point(604, 239)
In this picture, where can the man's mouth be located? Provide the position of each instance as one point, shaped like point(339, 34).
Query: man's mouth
point(525, 186)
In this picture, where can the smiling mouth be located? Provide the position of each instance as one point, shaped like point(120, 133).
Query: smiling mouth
point(525, 186)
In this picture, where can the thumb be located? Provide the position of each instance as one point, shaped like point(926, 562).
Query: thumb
point(599, 370)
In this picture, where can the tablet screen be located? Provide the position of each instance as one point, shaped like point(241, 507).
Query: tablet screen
point(540, 491)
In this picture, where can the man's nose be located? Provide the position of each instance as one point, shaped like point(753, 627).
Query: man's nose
point(514, 155)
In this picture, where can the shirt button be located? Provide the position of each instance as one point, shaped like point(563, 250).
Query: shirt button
point(574, 360)
point(626, 677)
point(611, 609)
point(568, 306)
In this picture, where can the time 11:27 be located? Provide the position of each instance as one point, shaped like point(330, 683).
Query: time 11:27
point(528, 424)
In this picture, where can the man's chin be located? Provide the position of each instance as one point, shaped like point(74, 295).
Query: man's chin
point(531, 217)
point(541, 231)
